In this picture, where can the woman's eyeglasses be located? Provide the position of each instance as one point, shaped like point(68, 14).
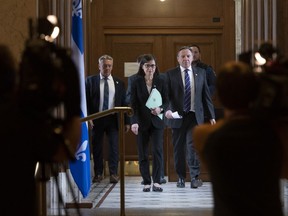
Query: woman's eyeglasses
point(150, 66)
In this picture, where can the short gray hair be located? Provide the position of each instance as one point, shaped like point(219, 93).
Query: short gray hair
point(104, 57)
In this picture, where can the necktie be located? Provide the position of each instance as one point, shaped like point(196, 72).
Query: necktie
point(187, 94)
point(106, 94)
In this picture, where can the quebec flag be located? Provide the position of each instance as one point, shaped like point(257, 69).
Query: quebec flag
point(80, 168)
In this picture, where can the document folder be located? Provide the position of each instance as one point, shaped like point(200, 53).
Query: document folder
point(154, 100)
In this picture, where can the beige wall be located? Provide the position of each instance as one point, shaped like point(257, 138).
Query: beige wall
point(14, 16)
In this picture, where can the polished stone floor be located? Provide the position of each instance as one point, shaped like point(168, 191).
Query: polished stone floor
point(105, 200)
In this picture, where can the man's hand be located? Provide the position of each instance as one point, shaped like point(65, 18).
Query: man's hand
point(90, 124)
point(212, 121)
point(168, 114)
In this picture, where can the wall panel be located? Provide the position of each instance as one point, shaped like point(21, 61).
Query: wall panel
point(167, 9)
point(152, 17)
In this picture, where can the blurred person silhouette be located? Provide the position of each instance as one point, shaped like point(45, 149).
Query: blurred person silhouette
point(147, 123)
point(26, 138)
point(189, 98)
point(128, 101)
point(109, 125)
point(241, 149)
point(272, 68)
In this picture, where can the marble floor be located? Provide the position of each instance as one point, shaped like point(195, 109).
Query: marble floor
point(105, 200)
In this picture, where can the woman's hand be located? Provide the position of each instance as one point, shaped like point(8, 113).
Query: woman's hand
point(156, 111)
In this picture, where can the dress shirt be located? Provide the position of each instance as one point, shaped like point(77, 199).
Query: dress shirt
point(111, 92)
point(190, 72)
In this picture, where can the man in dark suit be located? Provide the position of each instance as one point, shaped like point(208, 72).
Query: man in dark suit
point(210, 73)
point(184, 115)
point(109, 125)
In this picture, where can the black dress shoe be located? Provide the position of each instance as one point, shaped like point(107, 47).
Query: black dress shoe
point(195, 183)
point(163, 181)
point(97, 179)
point(181, 183)
point(146, 188)
point(157, 188)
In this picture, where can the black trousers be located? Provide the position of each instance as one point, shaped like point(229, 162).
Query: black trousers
point(143, 138)
point(184, 149)
point(108, 126)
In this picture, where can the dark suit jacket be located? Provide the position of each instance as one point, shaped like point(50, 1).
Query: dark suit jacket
point(203, 100)
point(210, 75)
point(139, 95)
point(128, 92)
point(93, 95)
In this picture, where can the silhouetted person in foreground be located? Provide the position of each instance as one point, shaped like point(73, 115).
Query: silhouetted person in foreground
point(27, 136)
point(242, 152)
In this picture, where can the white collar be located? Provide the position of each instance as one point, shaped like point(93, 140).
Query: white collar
point(183, 69)
point(102, 77)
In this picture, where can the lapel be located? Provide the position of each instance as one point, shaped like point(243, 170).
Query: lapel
point(196, 77)
point(142, 85)
point(97, 86)
point(178, 78)
point(116, 85)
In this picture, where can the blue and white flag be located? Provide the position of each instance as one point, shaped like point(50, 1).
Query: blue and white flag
point(80, 168)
